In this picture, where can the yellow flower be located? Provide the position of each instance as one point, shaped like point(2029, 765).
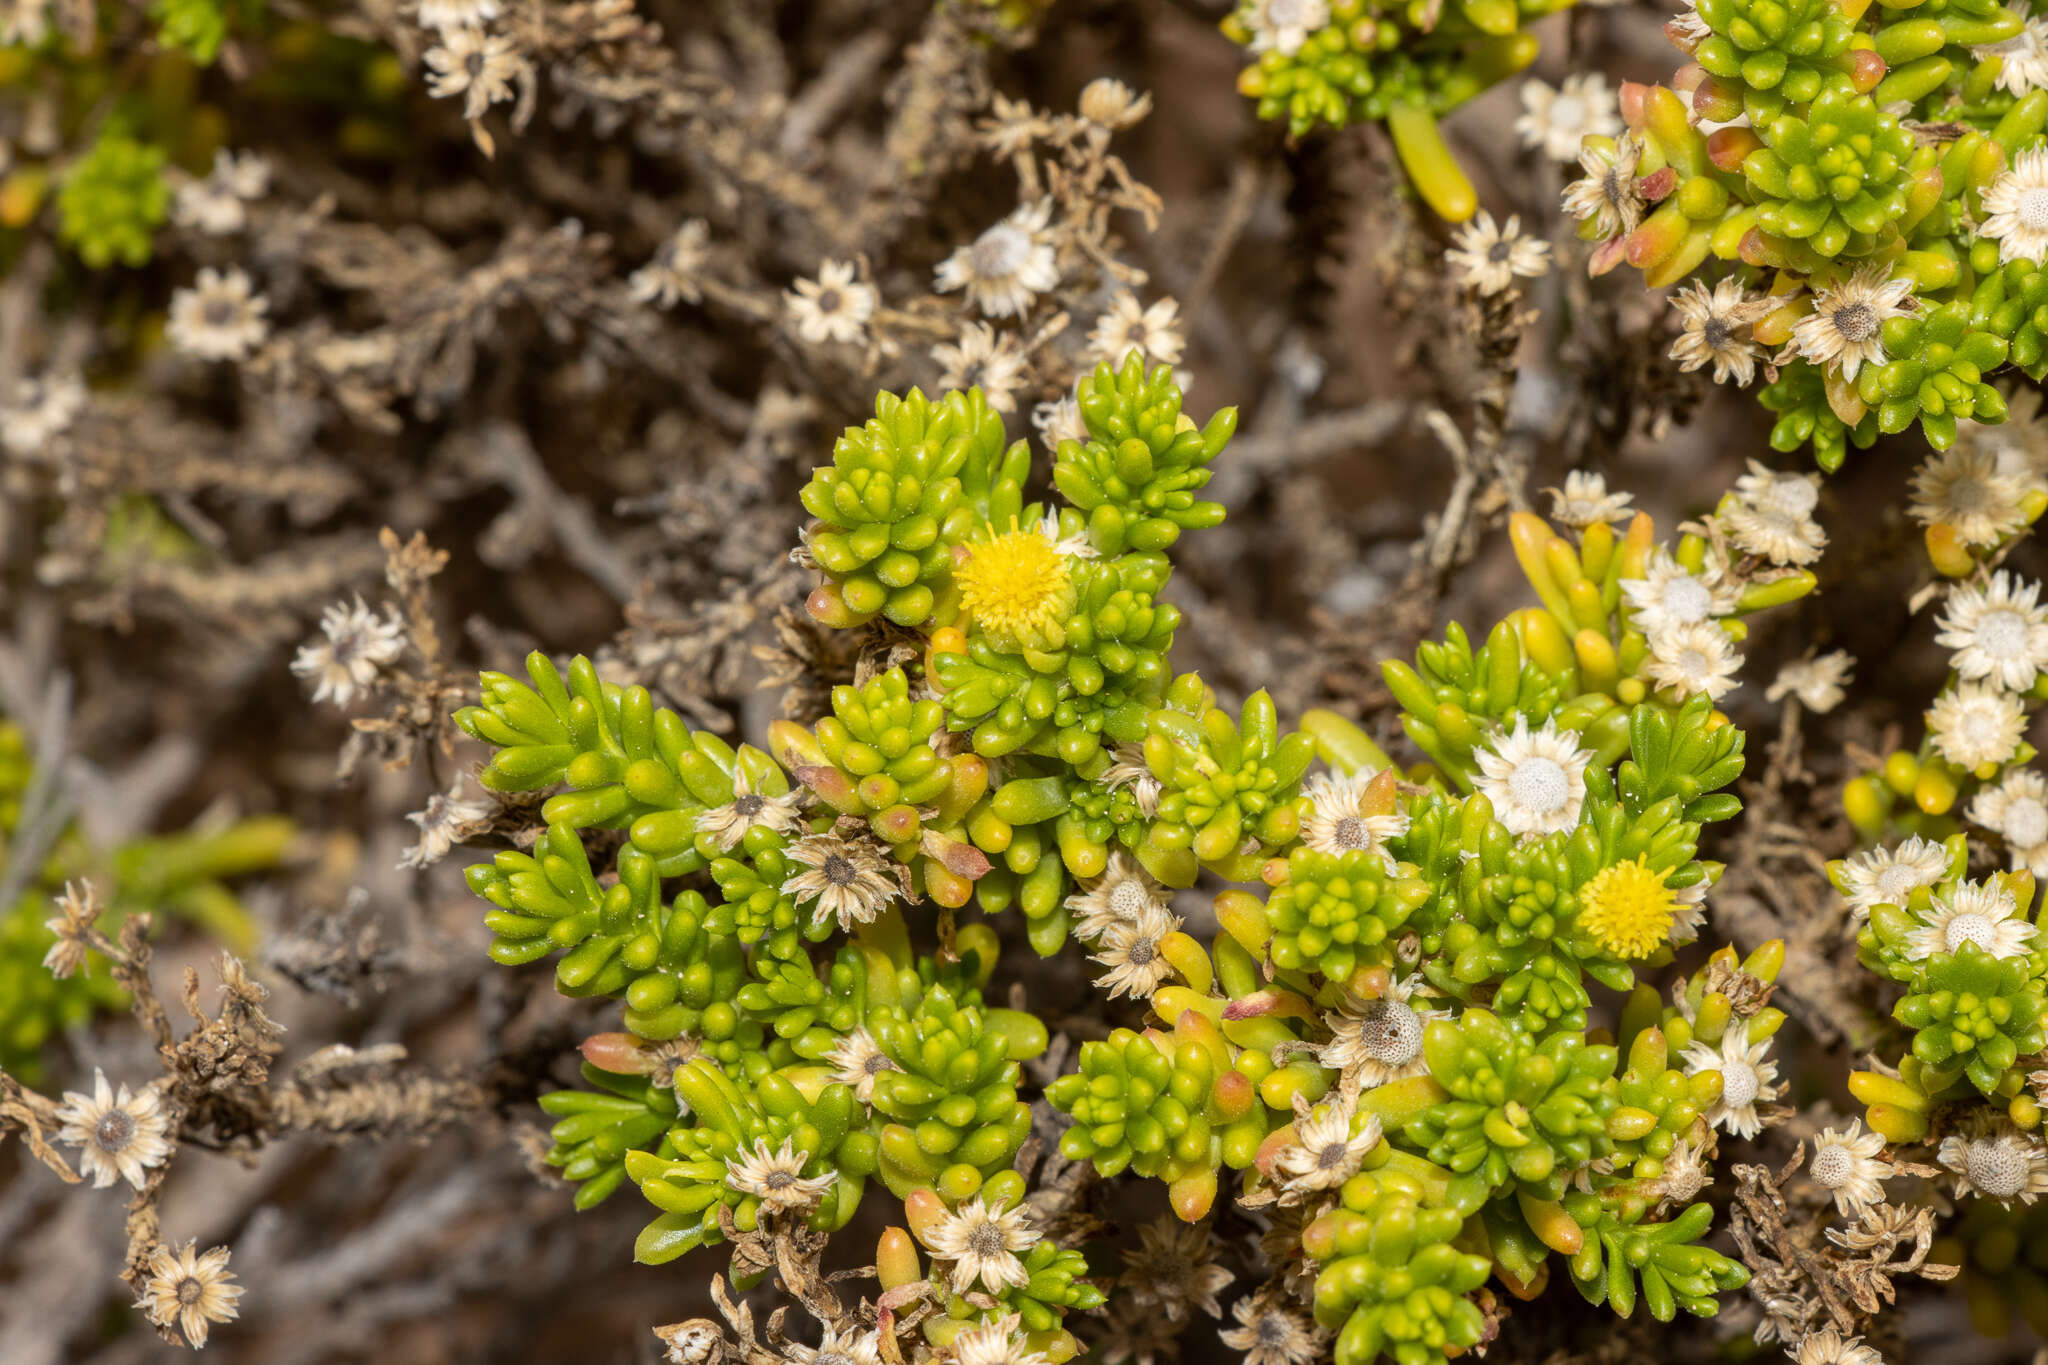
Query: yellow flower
point(1627, 909)
point(1016, 587)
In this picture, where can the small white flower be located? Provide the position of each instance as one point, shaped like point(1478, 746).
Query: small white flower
point(1535, 779)
point(1584, 500)
point(2023, 58)
point(1607, 196)
point(833, 307)
point(217, 203)
point(1339, 820)
point(1772, 515)
point(982, 1243)
point(1965, 488)
point(443, 15)
point(856, 1060)
point(1124, 894)
point(1059, 420)
point(1282, 26)
point(728, 825)
point(1747, 1074)
point(2017, 810)
point(672, 273)
point(1890, 876)
point(1845, 329)
point(1825, 1346)
point(1998, 1162)
point(1558, 121)
point(1714, 329)
point(840, 1348)
point(1373, 1042)
point(1006, 267)
point(1693, 659)
point(998, 1342)
point(1667, 595)
point(1130, 949)
point(41, 408)
point(983, 359)
point(2016, 208)
point(356, 644)
point(1490, 255)
point(1817, 682)
point(447, 820)
point(477, 65)
point(1983, 913)
point(119, 1135)
point(1999, 632)
point(1845, 1164)
point(1128, 326)
point(1330, 1142)
point(219, 318)
point(1974, 724)
point(776, 1176)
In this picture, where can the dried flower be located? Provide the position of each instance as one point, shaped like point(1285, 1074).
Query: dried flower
point(1536, 779)
point(443, 15)
point(1109, 103)
point(1747, 1074)
point(833, 307)
point(1128, 326)
point(1845, 1164)
point(994, 1343)
point(1059, 420)
point(1965, 489)
point(1824, 1346)
point(119, 1135)
point(1330, 1142)
point(189, 1291)
point(1607, 195)
point(2017, 811)
point(78, 909)
point(856, 1060)
point(696, 1342)
point(1173, 1270)
point(1772, 515)
point(1376, 1041)
point(446, 820)
point(982, 1241)
point(1123, 895)
point(477, 65)
point(672, 273)
point(776, 1176)
point(848, 880)
point(1131, 951)
point(357, 642)
point(1817, 682)
point(219, 318)
point(1557, 121)
point(840, 1348)
point(41, 408)
point(983, 359)
point(24, 23)
point(1845, 329)
point(1973, 724)
point(217, 203)
point(1983, 913)
point(1490, 255)
point(1584, 500)
point(1130, 770)
point(1999, 1162)
point(728, 825)
point(1891, 876)
point(1714, 329)
point(1271, 1333)
point(1343, 817)
point(1006, 267)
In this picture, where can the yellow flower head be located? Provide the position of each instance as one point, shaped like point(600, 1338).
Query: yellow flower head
point(1016, 588)
point(1627, 909)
